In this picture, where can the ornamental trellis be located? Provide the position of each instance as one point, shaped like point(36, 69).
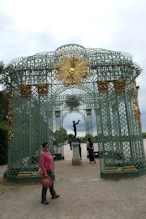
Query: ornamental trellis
point(104, 84)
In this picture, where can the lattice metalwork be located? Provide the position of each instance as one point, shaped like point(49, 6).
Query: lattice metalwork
point(108, 101)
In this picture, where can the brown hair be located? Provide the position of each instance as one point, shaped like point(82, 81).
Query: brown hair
point(44, 144)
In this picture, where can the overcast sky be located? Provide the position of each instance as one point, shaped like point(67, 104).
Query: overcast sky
point(31, 26)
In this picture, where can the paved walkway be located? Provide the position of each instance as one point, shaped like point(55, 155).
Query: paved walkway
point(83, 195)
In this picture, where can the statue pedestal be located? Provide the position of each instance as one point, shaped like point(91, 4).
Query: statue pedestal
point(76, 158)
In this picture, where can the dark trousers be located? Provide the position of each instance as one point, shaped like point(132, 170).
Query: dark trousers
point(80, 151)
point(91, 155)
point(44, 190)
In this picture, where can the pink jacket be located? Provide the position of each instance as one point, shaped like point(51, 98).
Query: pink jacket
point(46, 162)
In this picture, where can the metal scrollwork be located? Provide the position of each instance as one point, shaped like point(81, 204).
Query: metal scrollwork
point(135, 104)
point(119, 85)
point(10, 118)
point(136, 110)
point(25, 90)
point(102, 86)
point(135, 92)
point(42, 89)
point(88, 111)
point(57, 113)
point(10, 137)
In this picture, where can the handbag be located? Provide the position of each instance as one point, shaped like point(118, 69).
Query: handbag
point(46, 181)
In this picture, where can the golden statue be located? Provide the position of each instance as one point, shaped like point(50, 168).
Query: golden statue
point(136, 110)
point(10, 118)
point(10, 136)
point(135, 104)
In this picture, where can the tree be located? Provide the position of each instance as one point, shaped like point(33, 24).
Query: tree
point(2, 75)
point(3, 106)
point(3, 128)
point(60, 136)
point(144, 134)
point(86, 137)
point(72, 102)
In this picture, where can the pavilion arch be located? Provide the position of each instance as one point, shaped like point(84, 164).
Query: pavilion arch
point(74, 111)
point(108, 97)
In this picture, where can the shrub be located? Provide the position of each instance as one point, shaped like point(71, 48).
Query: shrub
point(3, 146)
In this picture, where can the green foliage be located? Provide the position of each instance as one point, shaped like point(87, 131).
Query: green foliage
point(3, 128)
point(1, 68)
point(60, 136)
point(144, 134)
point(84, 139)
point(72, 102)
point(3, 145)
point(4, 125)
point(2, 75)
point(3, 106)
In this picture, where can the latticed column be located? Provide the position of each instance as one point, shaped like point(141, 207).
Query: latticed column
point(115, 144)
point(137, 148)
point(32, 125)
point(105, 144)
point(57, 120)
point(89, 122)
point(59, 146)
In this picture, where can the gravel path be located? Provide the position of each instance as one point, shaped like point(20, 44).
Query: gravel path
point(83, 195)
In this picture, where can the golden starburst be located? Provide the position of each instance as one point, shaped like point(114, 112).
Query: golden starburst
point(71, 70)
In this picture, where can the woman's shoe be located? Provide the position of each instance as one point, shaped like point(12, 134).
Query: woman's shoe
point(55, 196)
point(45, 202)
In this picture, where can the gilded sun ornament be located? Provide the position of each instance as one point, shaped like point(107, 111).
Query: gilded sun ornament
point(71, 70)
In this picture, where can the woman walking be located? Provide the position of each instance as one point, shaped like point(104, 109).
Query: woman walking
point(90, 151)
point(46, 164)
